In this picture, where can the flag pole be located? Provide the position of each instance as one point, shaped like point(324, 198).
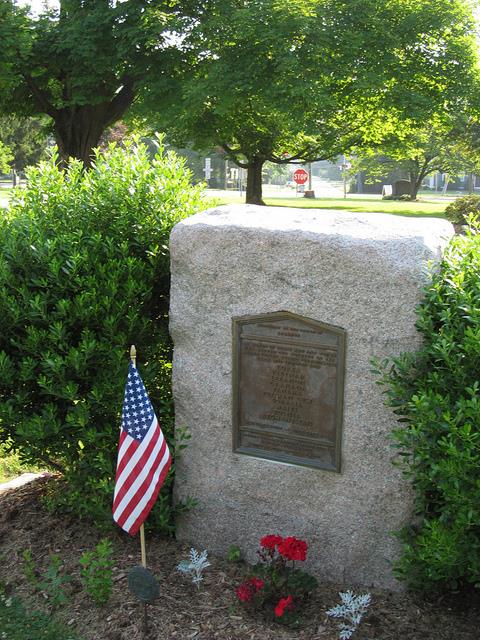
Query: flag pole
point(133, 358)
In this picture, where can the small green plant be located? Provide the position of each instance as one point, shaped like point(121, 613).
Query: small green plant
point(351, 610)
point(460, 209)
point(234, 553)
point(195, 566)
point(96, 572)
point(53, 582)
point(29, 568)
point(275, 586)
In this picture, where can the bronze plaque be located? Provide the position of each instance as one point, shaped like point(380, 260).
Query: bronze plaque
point(288, 376)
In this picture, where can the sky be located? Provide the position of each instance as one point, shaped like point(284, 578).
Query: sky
point(36, 5)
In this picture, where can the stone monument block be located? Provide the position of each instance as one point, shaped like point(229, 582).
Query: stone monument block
point(402, 188)
point(275, 315)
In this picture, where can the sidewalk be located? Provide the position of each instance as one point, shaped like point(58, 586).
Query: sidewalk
point(20, 481)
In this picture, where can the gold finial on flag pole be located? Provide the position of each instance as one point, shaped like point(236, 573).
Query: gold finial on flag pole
point(133, 358)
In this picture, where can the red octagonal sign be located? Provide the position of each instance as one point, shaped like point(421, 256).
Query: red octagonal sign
point(300, 176)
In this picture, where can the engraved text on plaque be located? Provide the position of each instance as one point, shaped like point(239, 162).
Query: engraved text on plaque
point(288, 389)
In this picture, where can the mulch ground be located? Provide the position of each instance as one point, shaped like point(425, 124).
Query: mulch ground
point(182, 612)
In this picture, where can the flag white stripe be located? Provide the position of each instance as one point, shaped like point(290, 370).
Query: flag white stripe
point(135, 457)
point(123, 449)
point(146, 496)
point(139, 479)
point(127, 471)
point(128, 439)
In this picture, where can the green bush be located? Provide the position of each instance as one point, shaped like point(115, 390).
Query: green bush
point(435, 393)
point(459, 210)
point(84, 273)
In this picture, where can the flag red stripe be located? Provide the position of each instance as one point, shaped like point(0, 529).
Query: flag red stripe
point(140, 491)
point(142, 516)
point(124, 457)
point(137, 469)
point(129, 447)
point(151, 493)
point(130, 453)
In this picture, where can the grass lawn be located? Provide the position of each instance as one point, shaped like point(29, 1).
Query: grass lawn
point(5, 194)
point(11, 467)
point(5, 190)
point(423, 208)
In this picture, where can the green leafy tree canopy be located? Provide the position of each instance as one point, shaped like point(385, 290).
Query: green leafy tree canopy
point(84, 63)
point(300, 80)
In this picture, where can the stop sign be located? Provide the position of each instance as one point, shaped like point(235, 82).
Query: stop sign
point(300, 176)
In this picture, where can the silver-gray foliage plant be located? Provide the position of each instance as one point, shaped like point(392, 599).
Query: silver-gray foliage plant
point(352, 610)
point(195, 565)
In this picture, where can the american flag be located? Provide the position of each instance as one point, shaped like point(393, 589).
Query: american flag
point(143, 457)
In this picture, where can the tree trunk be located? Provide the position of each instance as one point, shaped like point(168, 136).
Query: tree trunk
point(78, 128)
point(78, 131)
point(254, 181)
point(415, 186)
point(417, 177)
point(470, 181)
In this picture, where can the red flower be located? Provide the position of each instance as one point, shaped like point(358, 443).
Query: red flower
point(247, 589)
point(256, 583)
point(293, 549)
point(271, 541)
point(284, 604)
point(244, 592)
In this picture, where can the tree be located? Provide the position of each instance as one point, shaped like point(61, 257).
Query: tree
point(302, 80)
point(6, 158)
point(448, 146)
point(27, 139)
point(84, 64)
point(420, 153)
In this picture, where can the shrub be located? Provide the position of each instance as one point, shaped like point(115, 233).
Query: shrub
point(435, 393)
point(84, 272)
point(459, 210)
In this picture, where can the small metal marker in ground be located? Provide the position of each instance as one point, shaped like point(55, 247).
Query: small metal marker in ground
point(145, 587)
